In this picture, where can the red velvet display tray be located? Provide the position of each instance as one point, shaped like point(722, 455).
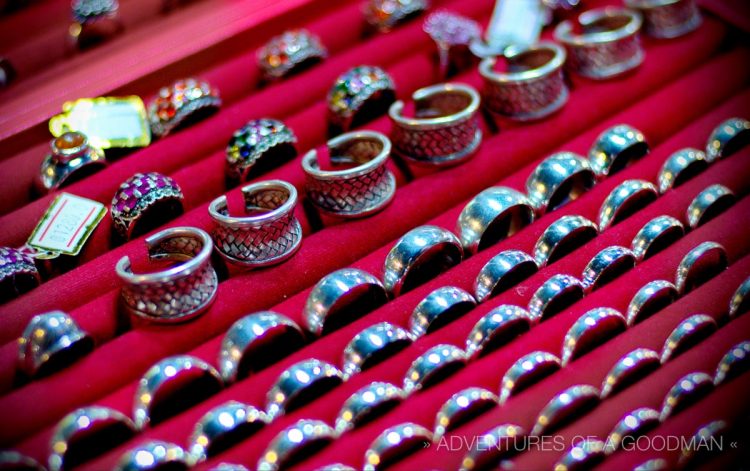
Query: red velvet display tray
point(682, 91)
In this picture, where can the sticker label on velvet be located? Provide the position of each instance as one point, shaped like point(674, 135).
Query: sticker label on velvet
point(515, 22)
point(66, 225)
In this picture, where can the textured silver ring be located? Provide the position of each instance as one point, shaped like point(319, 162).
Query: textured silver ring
point(685, 392)
point(290, 444)
point(733, 363)
point(561, 237)
point(439, 308)
point(702, 263)
point(555, 294)
point(432, 366)
point(606, 265)
point(176, 294)
point(230, 421)
point(680, 167)
point(634, 424)
point(462, 407)
point(357, 191)
point(372, 346)
point(257, 146)
point(652, 297)
point(444, 130)
point(51, 341)
point(495, 328)
point(636, 363)
point(656, 235)
point(359, 95)
point(395, 442)
point(667, 18)
point(590, 330)
point(366, 403)
point(625, 199)
point(708, 204)
point(687, 333)
point(155, 454)
point(71, 156)
point(526, 371)
point(616, 148)
point(563, 406)
point(140, 199)
point(558, 179)
point(503, 271)
point(288, 392)
point(740, 301)
point(727, 138)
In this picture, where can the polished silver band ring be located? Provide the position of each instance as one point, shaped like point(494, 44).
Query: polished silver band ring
point(727, 138)
point(292, 388)
point(624, 200)
point(155, 454)
point(708, 204)
point(51, 341)
point(291, 444)
point(616, 148)
point(680, 167)
point(558, 179)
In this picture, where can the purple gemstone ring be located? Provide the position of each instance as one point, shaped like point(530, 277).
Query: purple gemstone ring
point(258, 146)
point(18, 273)
point(140, 199)
point(359, 95)
point(453, 35)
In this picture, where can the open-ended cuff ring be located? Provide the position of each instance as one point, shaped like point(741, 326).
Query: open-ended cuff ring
point(592, 329)
point(432, 366)
point(18, 273)
point(230, 421)
point(178, 293)
point(492, 445)
point(384, 15)
point(709, 203)
point(609, 45)
point(293, 442)
point(297, 384)
point(359, 95)
point(421, 254)
point(495, 328)
point(616, 148)
point(394, 443)
point(445, 128)
point(257, 146)
point(625, 199)
point(159, 384)
point(51, 341)
point(502, 272)
point(686, 391)
point(372, 346)
point(526, 371)
point(740, 300)
point(563, 236)
point(439, 308)
point(634, 364)
point(558, 179)
point(462, 407)
point(532, 88)
point(563, 406)
point(555, 294)
point(727, 138)
point(364, 187)
point(140, 199)
point(651, 298)
point(656, 235)
point(71, 156)
point(366, 404)
point(341, 297)
point(584, 454)
point(453, 34)
point(733, 363)
point(680, 167)
point(69, 441)
point(183, 101)
point(155, 454)
point(687, 333)
point(703, 262)
point(267, 234)
point(632, 425)
point(493, 215)
point(289, 53)
point(667, 18)
point(248, 344)
point(606, 265)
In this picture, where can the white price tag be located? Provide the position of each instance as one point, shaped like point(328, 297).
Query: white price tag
point(67, 224)
point(515, 22)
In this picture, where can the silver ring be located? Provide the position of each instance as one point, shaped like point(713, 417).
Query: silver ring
point(439, 308)
point(686, 391)
point(366, 404)
point(13, 460)
point(365, 187)
point(290, 444)
point(592, 329)
point(651, 298)
point(727, 138)
point(162, 379)
point(687, 333)
point(383, 16)
point(607, 265)
point(709, 433)
point(584, 454)
point(562, 233)
point(491, 445)
point(336, 467)
point(462, 407)
point(656, 235)
point(70, 154)
point(176, 294)
point(258, 145)
point(680, 167)
point(181, 102)
point(153, 455)
point(292, 388)
point(229, 467)
point(18, 273)
point(558, 179)
point(636, 423)
point(269, 236)
point(709, 203)
point(503, 271)
point(740, 301)
point(703, 262)
point(359, 95)
point(395, 442)
point(231, 420)
point(609, 45)
point(667, 18)
point(532, 88)
point(557, 293)
point(630, 367)
point(734, 362)
point(496, 328)
point(372, 346)
point(421, 254)
point(444, 130)
point(625, 199)
point(249, 344)
point(51, 341)
point(289, 53)
point(616, 148)
point(453, 35)
point(654, 464)
point(491, 216)
point(68, 443)
point(526, 371)
point(563, 406)
point(140, 198)
point(432, 366)
point(341, 297)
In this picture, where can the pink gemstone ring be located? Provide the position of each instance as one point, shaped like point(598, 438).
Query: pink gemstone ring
point(290, 52)
point(453, 35)
point(18, 273)
point(143, 202)
point(184, 101)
